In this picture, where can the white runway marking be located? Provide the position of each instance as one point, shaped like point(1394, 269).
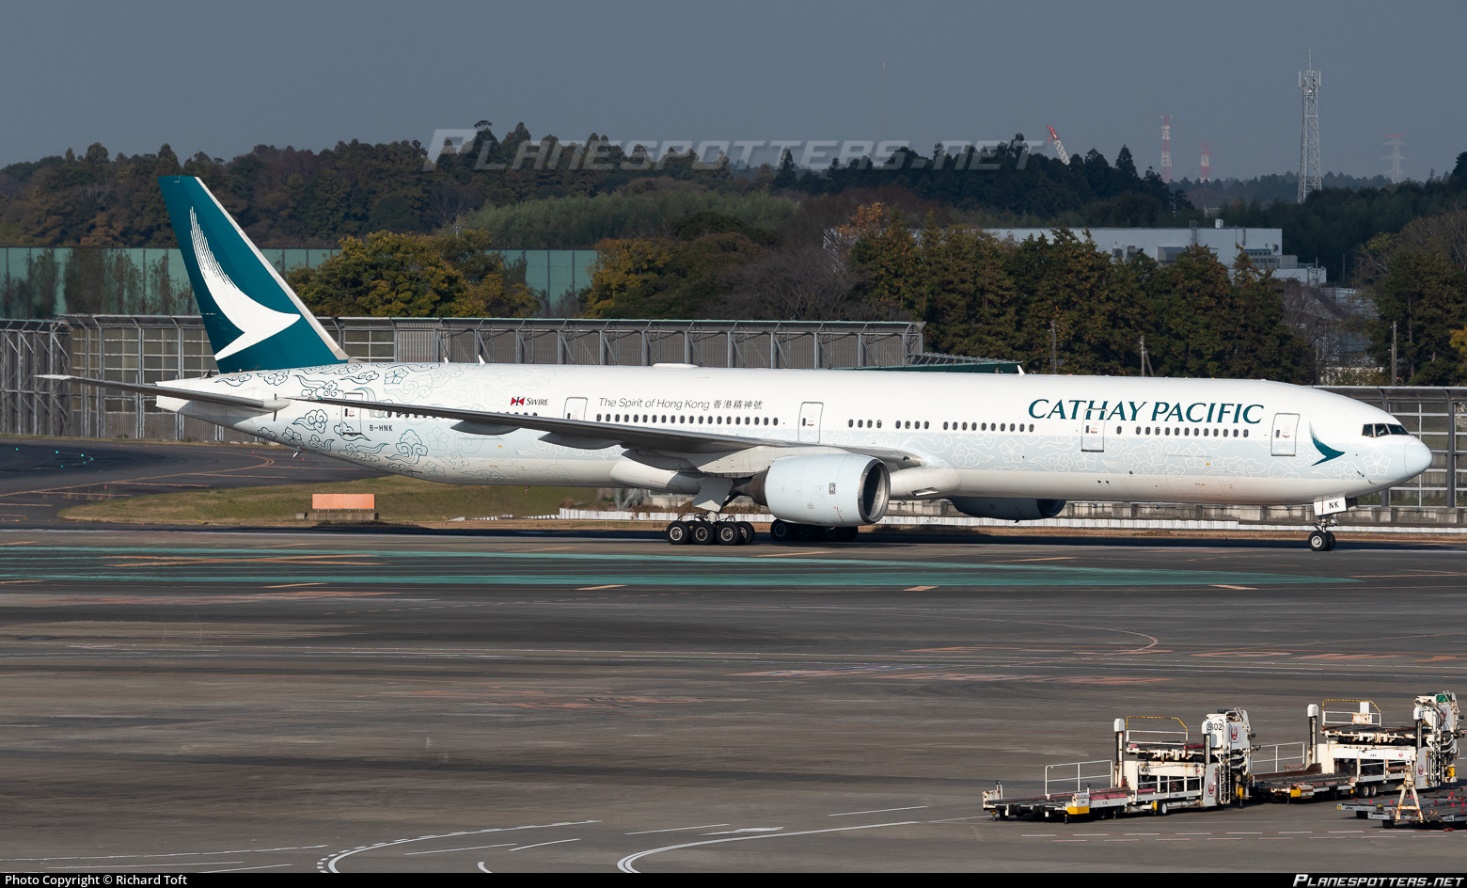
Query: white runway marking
point(878, 811)
point(161, 856)
point(748, 829)
point(625, 864)
point(599, 588)
point(648, 832)
point(543, 844)
point(449, 850)
point(138, 865)
point(328, 864)
point(241, 869)
point(919, 589)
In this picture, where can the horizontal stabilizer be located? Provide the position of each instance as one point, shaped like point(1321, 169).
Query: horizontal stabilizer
point(164, 391)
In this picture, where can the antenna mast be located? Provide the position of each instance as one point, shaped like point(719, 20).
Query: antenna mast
point(1395, 141)
point(1166, 148)
point(1059, 147)
point(1310, 179)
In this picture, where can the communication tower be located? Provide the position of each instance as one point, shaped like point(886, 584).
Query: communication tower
point(1206, 175)
point(1059, 147)
point(1166, 148)
point(1310, 179)
point(1395, 141)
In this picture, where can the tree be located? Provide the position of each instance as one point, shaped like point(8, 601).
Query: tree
point(1418, 280)
point(1125, 163)
point(406, 275)
point(625, 278)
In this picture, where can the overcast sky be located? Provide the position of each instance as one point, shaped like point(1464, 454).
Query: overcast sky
point(221, 78)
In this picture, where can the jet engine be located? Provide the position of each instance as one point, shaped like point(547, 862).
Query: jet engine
point(829, 490)
point(1008, 509)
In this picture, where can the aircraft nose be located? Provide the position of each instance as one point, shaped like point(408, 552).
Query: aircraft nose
point(1418, 458)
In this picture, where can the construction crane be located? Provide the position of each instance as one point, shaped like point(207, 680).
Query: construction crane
point(1059, 147)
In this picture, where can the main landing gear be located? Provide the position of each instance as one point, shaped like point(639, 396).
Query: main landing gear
point(706, 533)
point(1321, 539)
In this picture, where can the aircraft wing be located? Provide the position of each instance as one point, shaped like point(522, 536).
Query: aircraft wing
point(590, 435)
point(168, 392)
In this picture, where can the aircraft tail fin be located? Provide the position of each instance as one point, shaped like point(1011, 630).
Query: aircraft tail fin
point(254, 319)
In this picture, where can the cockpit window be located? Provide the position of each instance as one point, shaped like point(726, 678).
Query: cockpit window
point(1382, 429)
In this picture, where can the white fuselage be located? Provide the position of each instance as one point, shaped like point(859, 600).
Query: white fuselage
point(1050, 437)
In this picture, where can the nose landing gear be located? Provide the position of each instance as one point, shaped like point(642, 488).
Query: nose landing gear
point(1322, 539)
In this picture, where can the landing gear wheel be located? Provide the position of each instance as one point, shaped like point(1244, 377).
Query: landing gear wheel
point(805, 532)
point(701, 533)
point(1329, 538)
point(746, 533)
point(677, 533)
point(832, 534)
point(1318, 541)
point(728, 534)
point(780, 531)
point(849, 534)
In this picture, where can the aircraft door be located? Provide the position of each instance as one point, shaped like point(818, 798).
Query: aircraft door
point(810, 421)
point(351, 417)
point(575, 408)
point(1092, 439)
point(1285, 432)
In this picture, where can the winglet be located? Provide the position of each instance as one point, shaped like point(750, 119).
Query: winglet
point(254, 319)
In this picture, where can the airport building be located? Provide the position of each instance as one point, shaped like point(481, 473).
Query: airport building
point(38, 282)
point(1263, 246)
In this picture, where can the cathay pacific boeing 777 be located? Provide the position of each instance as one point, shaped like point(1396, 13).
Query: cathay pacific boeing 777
point(824, 450)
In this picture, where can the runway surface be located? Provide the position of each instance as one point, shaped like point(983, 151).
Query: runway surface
point(500, 701)
point(40, 477)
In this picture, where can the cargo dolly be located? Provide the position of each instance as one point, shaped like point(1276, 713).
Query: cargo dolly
point(1158, 768)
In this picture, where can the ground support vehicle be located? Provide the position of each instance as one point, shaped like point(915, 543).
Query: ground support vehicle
point(1351, 752)
point(1159, 767)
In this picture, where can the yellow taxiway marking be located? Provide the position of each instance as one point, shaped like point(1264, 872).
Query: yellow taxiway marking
point(1240, 588)
point(919, 588)
point(788, 554)
point(25, 543)
point(598, 588)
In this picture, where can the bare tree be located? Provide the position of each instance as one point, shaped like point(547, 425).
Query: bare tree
point(794, 284)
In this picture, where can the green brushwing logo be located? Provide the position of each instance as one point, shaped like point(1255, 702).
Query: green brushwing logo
point(1328, 452)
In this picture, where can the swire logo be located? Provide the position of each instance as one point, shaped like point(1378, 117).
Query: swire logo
point(516, 402)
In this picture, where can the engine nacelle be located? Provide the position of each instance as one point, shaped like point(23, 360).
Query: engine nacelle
point(830, 490)
point(1007, 509)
